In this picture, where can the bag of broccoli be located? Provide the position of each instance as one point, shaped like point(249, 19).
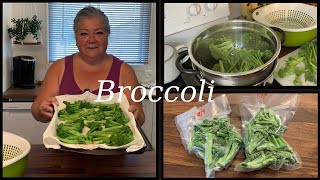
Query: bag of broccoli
point(207, 133)
point(264, 121)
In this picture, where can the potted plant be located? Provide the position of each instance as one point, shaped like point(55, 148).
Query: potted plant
point(24, 28)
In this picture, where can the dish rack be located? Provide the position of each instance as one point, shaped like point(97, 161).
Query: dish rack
point(294, 17)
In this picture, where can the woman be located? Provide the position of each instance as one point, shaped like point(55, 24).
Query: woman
point(81, 71)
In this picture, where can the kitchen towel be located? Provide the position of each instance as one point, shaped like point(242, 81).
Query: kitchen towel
point(50, 141)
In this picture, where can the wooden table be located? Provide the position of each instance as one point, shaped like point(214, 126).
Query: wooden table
point(45, 162)
point(301, 134)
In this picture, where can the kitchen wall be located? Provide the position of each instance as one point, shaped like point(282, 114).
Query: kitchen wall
point(40, 52)
point(6, 48)
point(234, 10)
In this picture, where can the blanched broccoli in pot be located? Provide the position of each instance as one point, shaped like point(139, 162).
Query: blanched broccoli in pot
point(235, 53)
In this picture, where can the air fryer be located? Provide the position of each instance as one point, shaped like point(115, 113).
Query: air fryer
point(23, 71)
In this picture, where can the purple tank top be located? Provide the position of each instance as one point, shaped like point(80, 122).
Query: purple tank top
point(69, 86)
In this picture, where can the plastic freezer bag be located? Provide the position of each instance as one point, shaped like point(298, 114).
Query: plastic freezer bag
point(264, 118)
point(207, 133)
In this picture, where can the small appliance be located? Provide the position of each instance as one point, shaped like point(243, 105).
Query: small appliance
point(23, 71)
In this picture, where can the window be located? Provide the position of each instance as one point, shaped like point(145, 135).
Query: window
point(130, 30)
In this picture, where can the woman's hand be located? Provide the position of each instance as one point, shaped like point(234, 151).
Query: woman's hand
point(46, 109)
point(137, 113)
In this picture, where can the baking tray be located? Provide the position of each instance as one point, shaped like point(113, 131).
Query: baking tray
point(100, 151)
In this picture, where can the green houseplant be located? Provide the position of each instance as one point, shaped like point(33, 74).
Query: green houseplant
point(24, 26)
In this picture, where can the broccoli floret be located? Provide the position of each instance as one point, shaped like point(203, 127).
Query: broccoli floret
point(113, 136)
point(297, 81)
point(64, 131)
point(119, 139)
point(290, 67)
point(70, 117)
point(299, 71)
point(94, 126)
point(240, 59)
point(111, 122)
point(62, 113)
point(85, 139)
point(97, 116)
point(294, 61)
point(310, 76)
point(84, 104)
point(71, 107)
point(267, 55)
point(221, 51)
point(216, 141)
point(255, 41)
point(251, 38)
point(285, 71)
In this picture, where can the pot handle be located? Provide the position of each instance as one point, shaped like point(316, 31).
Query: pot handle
point(283, 35)
point(182, 69)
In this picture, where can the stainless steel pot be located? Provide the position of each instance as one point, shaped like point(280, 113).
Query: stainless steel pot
point(269, 78)
point(237, 27)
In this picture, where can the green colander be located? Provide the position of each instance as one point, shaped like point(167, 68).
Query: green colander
point(297, 20)
point(15, 150)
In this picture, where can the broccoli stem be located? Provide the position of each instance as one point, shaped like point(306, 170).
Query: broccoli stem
point(221, 66)
point(208, 149)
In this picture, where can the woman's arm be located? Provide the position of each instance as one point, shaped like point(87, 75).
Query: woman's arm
point(42, 109)
point(129, 78)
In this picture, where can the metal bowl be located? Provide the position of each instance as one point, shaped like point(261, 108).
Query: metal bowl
point(237, 27)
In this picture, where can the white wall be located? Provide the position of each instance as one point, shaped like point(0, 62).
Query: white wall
point(40, 52)
point(6, 47)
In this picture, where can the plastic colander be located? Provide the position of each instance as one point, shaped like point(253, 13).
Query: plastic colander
point(15, 150)
point(297, 20)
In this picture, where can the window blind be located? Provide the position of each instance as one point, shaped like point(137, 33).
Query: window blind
point(130, 30)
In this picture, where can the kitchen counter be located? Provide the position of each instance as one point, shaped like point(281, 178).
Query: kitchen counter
point(45, 162)
point(19, 94)
point(301, 134)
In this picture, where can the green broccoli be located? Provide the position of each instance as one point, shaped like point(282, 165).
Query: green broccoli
point(216, 141)
point(221, 51)
point(94, 126)
point(290, 67)
point(111, 122)
point(240, 59)
point(106, 122)
point(254, 41)
point(122, 138)
point(297, 81)
point(264, 144)
point(308, 56)
point(64, 130)
point(114, 136)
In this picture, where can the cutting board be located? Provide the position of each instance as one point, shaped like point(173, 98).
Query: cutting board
point(288, 80)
